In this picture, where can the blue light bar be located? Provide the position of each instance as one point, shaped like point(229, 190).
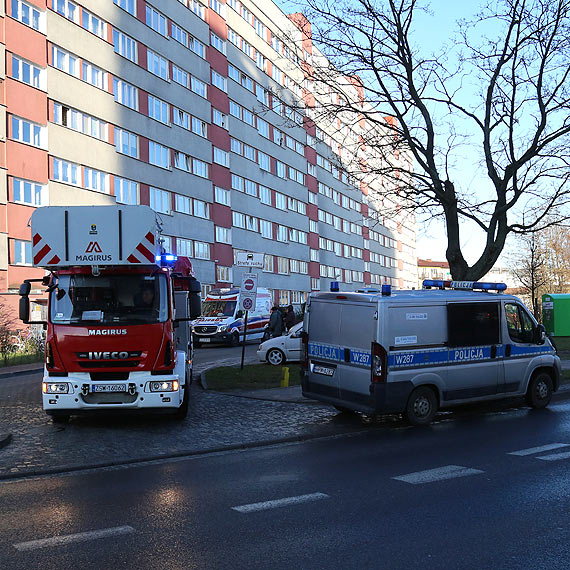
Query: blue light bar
point(464, 285)
point(166, 259)
point(386, 290)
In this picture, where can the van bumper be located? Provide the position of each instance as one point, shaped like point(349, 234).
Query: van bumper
point(391, 397)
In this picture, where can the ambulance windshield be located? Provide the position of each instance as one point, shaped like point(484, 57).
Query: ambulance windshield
point(218, 308)
point(110, 299)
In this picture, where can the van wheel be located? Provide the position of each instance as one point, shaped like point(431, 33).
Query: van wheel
point(539, 390)
point(235, 339)
point(421, 406)
point(275, 357)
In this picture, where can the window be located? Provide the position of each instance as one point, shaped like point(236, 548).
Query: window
point(248, 117)
point(29, 73)
point(218, 43)
point(263, 128)
point(224, 274)
point(199, 127)
point(201, 209)
point(179, 34)
point(238, 220)
point(180, 76)
point(237, 182)
point(22, 252)
point(184, 247)
point(78, 121)
point(222, 196)
point(519, 324)
point(93, 75)
point(197, 8)
point(28, 132)
point(183, 204)
point(125, 46)
point(65, 61)
point(158, 154)
point(201, 250)
point(282, 265)
point(200, 168)
point(218, 7)
point(95, 180)
point(280, 201)
point(221, 157)
point(251, 223)
point(251, 188)
point(64, 171)
point(94, 24)
point(281, 169)
point(264, 195)
point(127, 5)
point(181, 118)
point(158, 109)
point(126, 142)
point(268, 263)
point(28, 192)
point(182, 161)
point(31, 16)
point(233, 72)
point(266, 229)
point(483, 320)
point(126, 191)
point(157, 64)
point(198, 47)
point(126, 94)
point(160, 200)
point(235, 110)
point(223, 235)
point(155, 20)
point(264, 161)
point(282, 233)
point(219, 81)
point(199, 87)
point(248, 152)
point(314, 255)
point(219, 118)
point(262, 95)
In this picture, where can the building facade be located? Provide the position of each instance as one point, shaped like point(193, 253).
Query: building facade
point(195, 109)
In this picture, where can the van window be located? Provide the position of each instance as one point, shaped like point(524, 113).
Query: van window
point(473, 324)
point(519, 324)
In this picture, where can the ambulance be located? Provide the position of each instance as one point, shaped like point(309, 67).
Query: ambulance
point(223, 322)
point(415, 352)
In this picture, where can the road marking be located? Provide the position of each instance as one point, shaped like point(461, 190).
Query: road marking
point(69, 538)
point(437, 474)
point(555, 456)
point(540, 449)
point(280, 503)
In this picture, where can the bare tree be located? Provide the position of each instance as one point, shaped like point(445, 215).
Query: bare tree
point(529, 267)
point(555, 245)
point(497, 101)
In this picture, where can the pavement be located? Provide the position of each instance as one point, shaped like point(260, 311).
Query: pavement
point(33, 445)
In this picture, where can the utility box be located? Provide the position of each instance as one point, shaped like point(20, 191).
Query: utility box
point(556, 314)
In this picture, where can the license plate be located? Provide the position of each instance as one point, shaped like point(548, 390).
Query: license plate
point(205, 340)
point(109, 388)
point(324, 370)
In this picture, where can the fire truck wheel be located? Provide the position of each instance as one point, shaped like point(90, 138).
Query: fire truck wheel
point(60, 418)
point(182, 411)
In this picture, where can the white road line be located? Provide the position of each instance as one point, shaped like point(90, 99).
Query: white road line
point(437, 474)
point(280, 503)
point(555, 456)
point(69, 538)
point(540, 449)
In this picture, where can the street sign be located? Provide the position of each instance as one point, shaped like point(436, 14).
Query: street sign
point(246, 259)
point(248, 291)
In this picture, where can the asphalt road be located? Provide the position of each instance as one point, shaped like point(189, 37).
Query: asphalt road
point(483, 491)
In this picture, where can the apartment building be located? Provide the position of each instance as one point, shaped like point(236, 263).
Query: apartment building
point(195, 109)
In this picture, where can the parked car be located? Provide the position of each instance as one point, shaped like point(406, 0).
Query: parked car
point(281, 349)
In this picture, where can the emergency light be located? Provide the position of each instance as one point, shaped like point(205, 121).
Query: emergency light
point(465, 285)
point(166, 259)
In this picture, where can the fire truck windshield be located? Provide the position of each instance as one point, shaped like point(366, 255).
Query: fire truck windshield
point(109, 299)
point(218, 308)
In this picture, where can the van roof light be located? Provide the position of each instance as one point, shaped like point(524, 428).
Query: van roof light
point(465, 285)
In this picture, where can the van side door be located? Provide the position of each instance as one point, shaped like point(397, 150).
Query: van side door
point(475, 353)
point(519, 346)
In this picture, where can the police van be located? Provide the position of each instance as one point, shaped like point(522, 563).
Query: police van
point(222, 321)
point(414, 352)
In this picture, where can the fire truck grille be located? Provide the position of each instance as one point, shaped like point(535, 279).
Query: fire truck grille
point(110, 364)
point(114, 398)
point(205, 329)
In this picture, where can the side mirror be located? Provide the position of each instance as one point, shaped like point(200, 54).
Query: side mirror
point(539, 334)
point(25, 288)
point(24, 308)
point(195, 303)
point(239, 314)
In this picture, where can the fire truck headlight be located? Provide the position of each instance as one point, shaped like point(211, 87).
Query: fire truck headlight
point(170, 386)
point(55, 387)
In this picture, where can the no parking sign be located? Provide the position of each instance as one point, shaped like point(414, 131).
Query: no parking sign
point(248, 292)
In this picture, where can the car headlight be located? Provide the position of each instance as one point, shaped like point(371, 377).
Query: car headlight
point(223, 328)
point(55, 387)
point(169, 386)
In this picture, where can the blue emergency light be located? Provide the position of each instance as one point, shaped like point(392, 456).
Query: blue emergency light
point(166, 259)
point(464, 285)
point(334, 286)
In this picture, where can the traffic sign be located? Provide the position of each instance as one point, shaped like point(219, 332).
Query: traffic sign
point(248, 291)
point(247, 259)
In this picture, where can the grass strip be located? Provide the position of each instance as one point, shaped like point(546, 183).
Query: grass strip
point(252, 377)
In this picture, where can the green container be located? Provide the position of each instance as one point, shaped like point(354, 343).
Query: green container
point(556, 314)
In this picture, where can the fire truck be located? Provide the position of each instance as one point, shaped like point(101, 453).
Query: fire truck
point(118, 334)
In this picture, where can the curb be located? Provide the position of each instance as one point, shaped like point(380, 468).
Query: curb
point(20, 372)
point(5, 439)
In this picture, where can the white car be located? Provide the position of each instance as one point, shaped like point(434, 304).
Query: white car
point(286, 348)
